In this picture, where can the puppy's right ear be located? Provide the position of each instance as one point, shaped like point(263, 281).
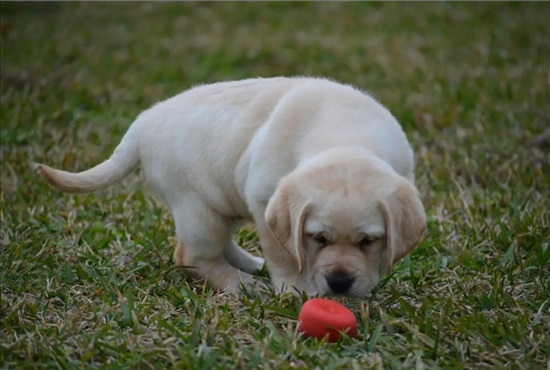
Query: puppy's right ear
point(285, 217)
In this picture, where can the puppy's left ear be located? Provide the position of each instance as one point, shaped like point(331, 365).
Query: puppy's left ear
point(405, 220)
point(285, 216)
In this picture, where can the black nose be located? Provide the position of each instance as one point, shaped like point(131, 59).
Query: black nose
point(339, 282)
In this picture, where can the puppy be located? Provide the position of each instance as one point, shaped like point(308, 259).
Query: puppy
point(323, 170)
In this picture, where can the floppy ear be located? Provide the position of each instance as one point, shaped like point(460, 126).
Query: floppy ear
point(405, 220)
point(285, 216)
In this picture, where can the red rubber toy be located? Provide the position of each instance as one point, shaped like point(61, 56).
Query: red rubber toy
point(322, 318)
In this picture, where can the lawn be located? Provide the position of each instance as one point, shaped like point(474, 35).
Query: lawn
point(88, 282)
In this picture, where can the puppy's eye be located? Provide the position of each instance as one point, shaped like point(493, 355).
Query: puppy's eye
point(366, 241)
point(320, 239)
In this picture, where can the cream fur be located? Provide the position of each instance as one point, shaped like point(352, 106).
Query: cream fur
point(259, 150)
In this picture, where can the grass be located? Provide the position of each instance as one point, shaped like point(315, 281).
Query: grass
point(88, 282)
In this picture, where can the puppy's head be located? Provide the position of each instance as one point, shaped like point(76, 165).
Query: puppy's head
point(345, 223)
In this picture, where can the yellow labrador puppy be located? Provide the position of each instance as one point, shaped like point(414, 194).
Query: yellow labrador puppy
point(323, 170)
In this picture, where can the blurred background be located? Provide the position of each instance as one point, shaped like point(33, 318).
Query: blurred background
point(430, 62)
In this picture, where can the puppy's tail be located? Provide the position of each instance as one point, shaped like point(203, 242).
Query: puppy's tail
point(124, 159)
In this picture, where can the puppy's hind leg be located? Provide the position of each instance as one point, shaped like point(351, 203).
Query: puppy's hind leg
point(202, 239)
point(241, 259)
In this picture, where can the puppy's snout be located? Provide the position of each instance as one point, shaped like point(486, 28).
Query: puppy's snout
point(339, 282)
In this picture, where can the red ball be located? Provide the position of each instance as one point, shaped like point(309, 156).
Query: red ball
point(322, 318)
